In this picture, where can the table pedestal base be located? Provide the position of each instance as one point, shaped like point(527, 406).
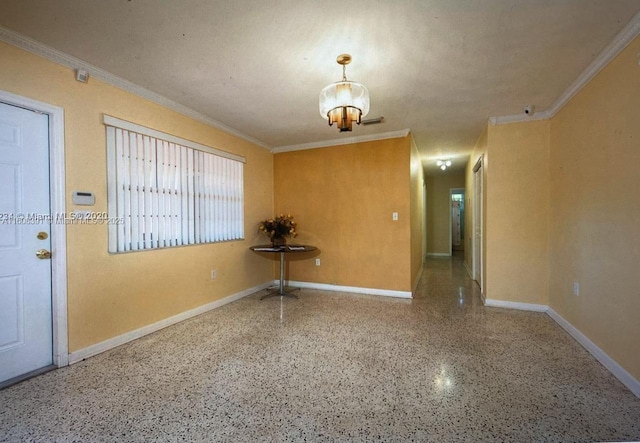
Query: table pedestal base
point(282, 293)
point(281, 290)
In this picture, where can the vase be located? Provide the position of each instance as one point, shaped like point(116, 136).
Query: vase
point(279, 241)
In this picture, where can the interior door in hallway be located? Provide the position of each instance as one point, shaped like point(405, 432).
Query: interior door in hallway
point(478, 227)
point(25, 269)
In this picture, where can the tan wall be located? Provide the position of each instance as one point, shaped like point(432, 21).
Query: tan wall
point(595, 210)
point(109, 295)
point(342, 198)
point(439, 208)
point(417, 213)
point(517, 213)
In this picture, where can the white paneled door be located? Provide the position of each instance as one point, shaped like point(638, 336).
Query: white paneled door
point(478, 226)
point(25, 265)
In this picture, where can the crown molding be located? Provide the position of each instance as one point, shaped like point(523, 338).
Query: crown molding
point(620, 41)
point(35, 47)
point(518, 118)
point(624, 37)
point(342, 141)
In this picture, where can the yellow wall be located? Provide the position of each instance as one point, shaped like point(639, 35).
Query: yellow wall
point(109, 295)
point(560, 206)
point(439, 209)
point(417, 214)
point(517, 213)
point(595, 210)
point(343, 198)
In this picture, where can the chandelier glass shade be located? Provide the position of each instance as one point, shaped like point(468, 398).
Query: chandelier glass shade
point(344, 102)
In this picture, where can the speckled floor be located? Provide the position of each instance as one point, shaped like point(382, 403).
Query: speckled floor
point(336, 367)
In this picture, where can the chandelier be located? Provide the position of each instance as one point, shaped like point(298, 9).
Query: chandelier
point(344, 102)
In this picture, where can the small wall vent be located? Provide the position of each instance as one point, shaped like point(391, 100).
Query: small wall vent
point(373, 121)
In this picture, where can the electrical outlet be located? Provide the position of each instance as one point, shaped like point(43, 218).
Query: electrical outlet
point(317, 262)
point(214, 274)
point(576, 288)
point(394, 216)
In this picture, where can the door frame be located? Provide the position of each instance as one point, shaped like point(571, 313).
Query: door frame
point(424, 221)
point(60, 351)
point(478, 225)
point(451, 192)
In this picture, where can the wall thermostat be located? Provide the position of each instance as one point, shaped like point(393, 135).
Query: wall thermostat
point(84, 198)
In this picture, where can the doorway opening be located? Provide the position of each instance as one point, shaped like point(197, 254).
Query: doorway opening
point(456, 221)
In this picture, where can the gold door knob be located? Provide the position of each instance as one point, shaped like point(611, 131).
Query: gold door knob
point(43, 254)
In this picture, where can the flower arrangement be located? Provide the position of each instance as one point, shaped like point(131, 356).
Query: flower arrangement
point(279, 228)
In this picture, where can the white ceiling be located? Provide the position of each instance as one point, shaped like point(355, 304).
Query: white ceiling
point(440, 68)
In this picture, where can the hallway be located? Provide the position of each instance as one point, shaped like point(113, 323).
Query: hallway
point(336, 367)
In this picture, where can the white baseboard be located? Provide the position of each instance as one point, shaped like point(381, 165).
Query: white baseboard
point(515, 305)
point(111, 343)
point(438, 254)
point(618, 371)
point(369, 291)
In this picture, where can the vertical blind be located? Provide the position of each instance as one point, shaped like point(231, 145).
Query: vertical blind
point(164, 193)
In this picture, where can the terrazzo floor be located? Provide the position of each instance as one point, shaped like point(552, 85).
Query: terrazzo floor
point(336, 367)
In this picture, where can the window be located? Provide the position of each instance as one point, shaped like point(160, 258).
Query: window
point(165, 191)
